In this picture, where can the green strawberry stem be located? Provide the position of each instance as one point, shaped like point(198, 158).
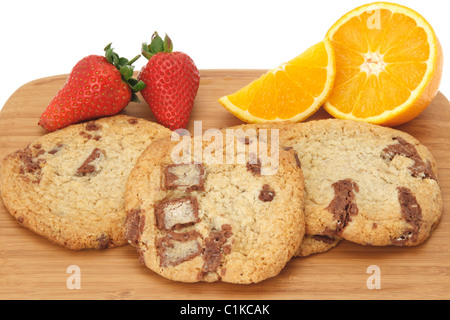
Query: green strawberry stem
point(126, 70)
point(157, 45)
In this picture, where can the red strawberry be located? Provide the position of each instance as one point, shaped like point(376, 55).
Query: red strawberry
point(172, 82)
point(97, 86)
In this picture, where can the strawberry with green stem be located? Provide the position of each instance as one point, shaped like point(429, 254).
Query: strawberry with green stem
point(97, 86)
point(172, 80)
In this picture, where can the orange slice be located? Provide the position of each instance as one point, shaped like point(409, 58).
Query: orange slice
point(293, 91)
point(388, 65)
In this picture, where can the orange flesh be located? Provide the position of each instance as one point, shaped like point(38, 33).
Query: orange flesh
point(378, 65)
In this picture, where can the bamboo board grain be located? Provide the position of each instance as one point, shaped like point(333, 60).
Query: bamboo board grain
point(33, 268)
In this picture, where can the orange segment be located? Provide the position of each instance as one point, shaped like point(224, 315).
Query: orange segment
point(372, 102)
point(401, 73)
point(293, 95)
point(353, 90)
point(263, 102)
point(388, 62)
point(293, 91)
point(393, 91)
point(346, 57)
point(312, 79)
point(350, 37)
point(317, 56)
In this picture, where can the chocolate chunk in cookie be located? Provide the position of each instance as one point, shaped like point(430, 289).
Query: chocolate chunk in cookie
point(87, 167)
point(176, 213)
point(176, 248)
point(266, 194)
point(31, 164)
point(343, 206)
point(189, 177)
point(254, 166)
point(324, 238)
point(419, 169)
point(56, 149)
point(103, 241)
point(135, 223)
point(93, 126)
point(411, 212)
point(133, 121)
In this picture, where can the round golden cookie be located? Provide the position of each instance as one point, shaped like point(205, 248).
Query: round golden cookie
point(367, 184)
point(218, 219)
point(69, 185)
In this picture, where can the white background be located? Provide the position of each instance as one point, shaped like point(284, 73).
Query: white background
point(47, 37)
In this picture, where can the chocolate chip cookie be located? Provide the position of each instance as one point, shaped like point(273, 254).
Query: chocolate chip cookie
point(368, 184)
point(210, 220)
point(69, 185)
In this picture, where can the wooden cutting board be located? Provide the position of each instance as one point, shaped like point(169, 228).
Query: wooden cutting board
point(33, 268)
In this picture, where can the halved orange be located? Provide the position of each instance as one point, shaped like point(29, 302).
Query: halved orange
point(293, 91)
point(388, 64)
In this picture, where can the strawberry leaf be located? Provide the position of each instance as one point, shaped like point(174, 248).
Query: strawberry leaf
point(108, 47)
point(109, 53)
point(115, 59)
point(157, 45)
point(168, 45)
point(123, 61)
point(136, 85)
point(146, 52)
point(126, 70)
